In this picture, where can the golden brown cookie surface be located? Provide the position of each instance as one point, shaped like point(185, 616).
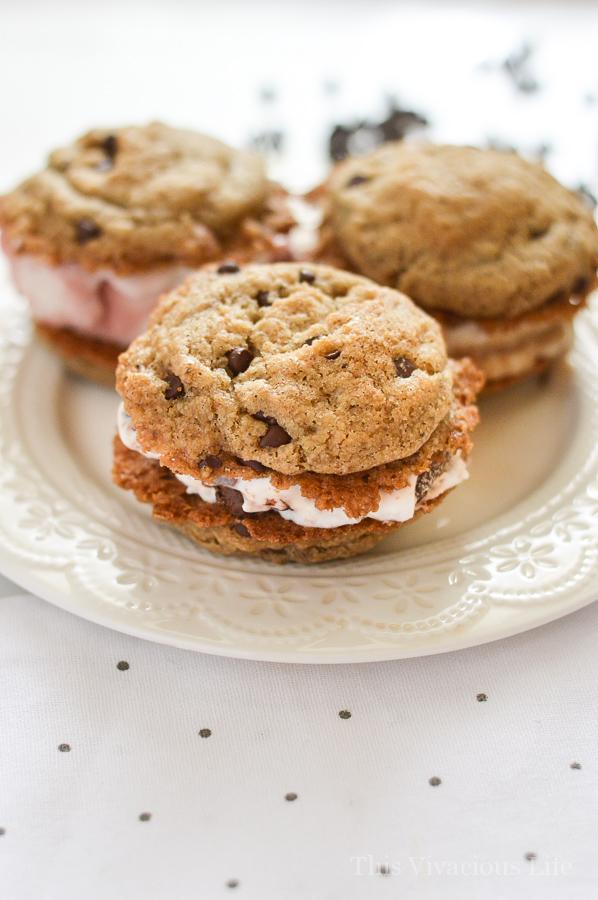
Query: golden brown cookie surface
point(473, 232)
point(136, 197)
point(302, 368)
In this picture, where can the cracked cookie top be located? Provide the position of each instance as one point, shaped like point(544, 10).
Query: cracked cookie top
point(300, 368)
point(135, 197)
point(474, 232)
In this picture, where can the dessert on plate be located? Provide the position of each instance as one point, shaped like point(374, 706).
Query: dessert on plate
point(121, 216)
point(291, 412)
point(492, 246)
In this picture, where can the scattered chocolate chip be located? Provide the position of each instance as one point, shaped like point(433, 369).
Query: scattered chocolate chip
point(64, 748)
point(232, 499)
point(581, 286)
point(345, 714)
point(275, 436)
point(404, 366)
point(364, 135)
point(122, 666)
point(110, 145)
point(145, 817)
point(86, 230)
point(334, 355)
point(575, 765)
point(531, 856)
point(290, 796)
point(424, 481)
point(212, 462)
point(306, 277)
point(357, 179)
point(239, 360)
point(262, 417)
point(175, 389)
point(253, 464)
point(263, 298)
point(434, 781)
point(228, 268)
point(517, 67)
point(204, 732)
point(267, 141)
point(310, 340)
point(241, 529)
point(481, 698)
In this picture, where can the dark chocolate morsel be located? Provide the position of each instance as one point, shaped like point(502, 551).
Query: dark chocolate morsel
point(253, 464)
point(241, 529)
point(306, 277)
point(86, 230)
point(334, 355)
point(232, 499)
point(263, 298)
point(357, 179)
point(239, 359)
point(310, 340)
point(275, 436)
point(404, 366)
point(110, 145)
point(228, 268)
point(262, 417)
point(213, 462)
point(175, 389)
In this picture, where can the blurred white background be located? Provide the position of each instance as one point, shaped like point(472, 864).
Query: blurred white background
point(67, 66)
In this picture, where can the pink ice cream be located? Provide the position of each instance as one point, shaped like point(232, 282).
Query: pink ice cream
point(100, 304)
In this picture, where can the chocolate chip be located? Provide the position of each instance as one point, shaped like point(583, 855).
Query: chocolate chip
point(290, 796)
point(310, 340)
point(262, 417)
point(404, 366)
point(334, 355)
point(240, 529)
point(357, 179)
point(204, 732)
point(306, 277)
point(122, 666)
point(425, 479)
point(110, 145)
point(239, 360)
point(86, 230)
point(232, 499)
point(263, 298)
point(434, 781)
point(275, 436)
point(253, 464)
point(213, 462)
point(228, 268)
point(175, 389)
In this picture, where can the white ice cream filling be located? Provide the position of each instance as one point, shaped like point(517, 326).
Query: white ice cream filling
point(260, 495)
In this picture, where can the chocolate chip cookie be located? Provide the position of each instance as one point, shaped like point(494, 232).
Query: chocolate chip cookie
point(297, 412)
point(121, 216)
point(492, 245)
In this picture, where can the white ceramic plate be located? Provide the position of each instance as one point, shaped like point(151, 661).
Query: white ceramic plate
point(513, 548)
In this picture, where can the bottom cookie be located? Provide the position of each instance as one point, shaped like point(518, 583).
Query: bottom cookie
point(264, 535)
point(85, 356)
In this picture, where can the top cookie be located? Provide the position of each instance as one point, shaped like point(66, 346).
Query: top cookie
point(135, 197)
point(298, 368)
point(473, 232)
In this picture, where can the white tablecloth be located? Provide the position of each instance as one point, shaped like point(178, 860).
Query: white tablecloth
point(141, 806)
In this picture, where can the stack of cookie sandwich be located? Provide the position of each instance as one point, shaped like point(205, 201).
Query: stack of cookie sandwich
point(121, 216)
point(492, 246)
point(291, 413)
